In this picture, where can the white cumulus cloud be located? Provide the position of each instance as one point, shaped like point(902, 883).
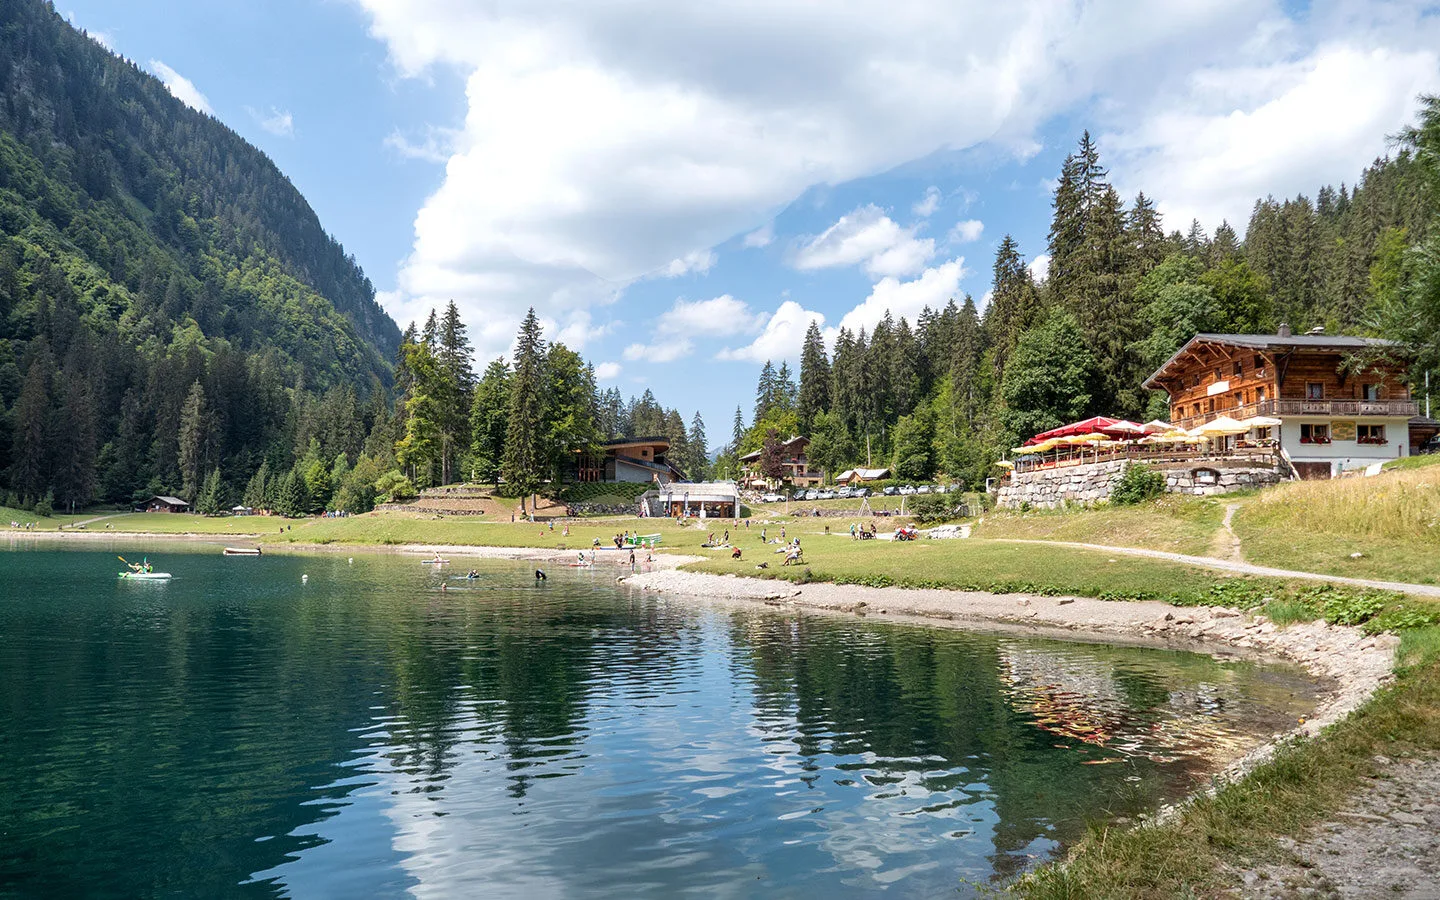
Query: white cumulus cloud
point(934, 288)
point(699, 261)
point(661, 351)
point(1277, 127)
point(607, 371)
point(602, 141)
point(278, 122)
point(1039, 267)
point(181, 87)
point(781, 338)
point(966, 232)
point(760, 237)
point(926, 205)
point(866, 236)
point(722, 316)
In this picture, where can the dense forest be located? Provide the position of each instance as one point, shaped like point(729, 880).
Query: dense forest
point(169, 303)
point(948, 393)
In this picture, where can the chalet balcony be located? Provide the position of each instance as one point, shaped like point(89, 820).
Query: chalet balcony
point(1282, 408)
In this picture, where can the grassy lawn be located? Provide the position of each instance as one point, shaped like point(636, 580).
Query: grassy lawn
point(1304, 784)
point(983, 565)
point(1175, 524)
point(402, 528)
point(1392, 520)
point(41, 523)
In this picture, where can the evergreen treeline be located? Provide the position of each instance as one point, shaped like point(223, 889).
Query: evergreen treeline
point(169, 304)
point(528, 422)
point(950, 392)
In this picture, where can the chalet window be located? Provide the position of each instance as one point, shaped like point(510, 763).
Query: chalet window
point(1239, 368)
point(1259, 363)
point(1219, 376)
point(1259, 395)
point(1197, 409)
point(1314, 390)
point(1239, 399)
point(1369, 392)
point(1314, 434)
point(1370, 434)
point(1211, 403)
point(1195, 380)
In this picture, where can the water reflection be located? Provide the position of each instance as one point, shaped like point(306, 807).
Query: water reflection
point(368, 734)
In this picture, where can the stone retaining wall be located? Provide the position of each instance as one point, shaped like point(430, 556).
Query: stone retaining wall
point(1086, 484)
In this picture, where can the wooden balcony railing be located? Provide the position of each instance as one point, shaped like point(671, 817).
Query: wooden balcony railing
point(1288, 407)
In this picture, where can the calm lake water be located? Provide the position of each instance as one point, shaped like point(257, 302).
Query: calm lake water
point(236, 732)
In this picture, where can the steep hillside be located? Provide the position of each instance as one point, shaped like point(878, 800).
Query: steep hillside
point(145, 249)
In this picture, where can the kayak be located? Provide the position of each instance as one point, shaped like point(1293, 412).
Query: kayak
point(242, 551)
point(433, 562)
point(146, 576)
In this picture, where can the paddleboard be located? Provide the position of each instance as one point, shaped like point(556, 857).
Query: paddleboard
point(433, 562)
point(146, 576)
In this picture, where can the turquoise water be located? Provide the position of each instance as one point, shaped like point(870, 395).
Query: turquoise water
point(236, 732)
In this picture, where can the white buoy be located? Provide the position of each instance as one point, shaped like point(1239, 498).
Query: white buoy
point(304, 579)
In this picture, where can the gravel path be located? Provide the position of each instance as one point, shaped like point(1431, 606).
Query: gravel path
point(1386, 843)
point(1244, 568)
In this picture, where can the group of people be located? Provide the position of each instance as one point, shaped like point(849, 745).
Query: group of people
point(858, 532)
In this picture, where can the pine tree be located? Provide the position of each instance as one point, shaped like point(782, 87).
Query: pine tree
point(194, 439)
point(699, 449)
point(1014, 302)
point(524, 459)
point(30, 471)
point(765, 391)
point(737, 431)
point(815, 378)
point(488, 413)
point(258, 492)
point(211, 500)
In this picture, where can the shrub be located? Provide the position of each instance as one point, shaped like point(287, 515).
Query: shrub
point(1136, 485)
point(45, 506)
point(393, 487)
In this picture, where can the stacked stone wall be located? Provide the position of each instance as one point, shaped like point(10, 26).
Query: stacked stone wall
point(1087, 484)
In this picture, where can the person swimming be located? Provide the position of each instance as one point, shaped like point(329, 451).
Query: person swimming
point(539, 574)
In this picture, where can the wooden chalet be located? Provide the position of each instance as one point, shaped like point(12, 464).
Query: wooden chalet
point(792, 458)
point(640, 459)
point(1333, 417)
point(166, 504)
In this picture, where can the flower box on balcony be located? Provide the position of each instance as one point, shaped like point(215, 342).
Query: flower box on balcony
point(1373, 441)
point(1315, 440)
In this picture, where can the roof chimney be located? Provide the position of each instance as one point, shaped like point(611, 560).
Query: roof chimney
point(1284, 329)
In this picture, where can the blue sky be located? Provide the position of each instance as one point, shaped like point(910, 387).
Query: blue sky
point(679, 189)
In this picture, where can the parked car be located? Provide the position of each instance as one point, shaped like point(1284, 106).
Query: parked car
point(798, 495)
point(826, 495)
point(812, 495)
point(771, 498)
point(923, 489)
point(890, 490)
point(860, 492)
point(907, 489)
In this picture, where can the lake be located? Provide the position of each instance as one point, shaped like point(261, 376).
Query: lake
point(236, 732)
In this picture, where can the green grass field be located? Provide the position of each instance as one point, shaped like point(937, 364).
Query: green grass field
point(41, 523)
point(1175, 524)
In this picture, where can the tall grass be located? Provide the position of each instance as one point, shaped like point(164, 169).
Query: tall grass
point(1401, 504)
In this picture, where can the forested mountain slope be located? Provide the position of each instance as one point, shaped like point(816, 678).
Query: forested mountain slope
point(145, 250)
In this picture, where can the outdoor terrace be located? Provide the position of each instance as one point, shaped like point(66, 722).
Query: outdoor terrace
point(1298, 407)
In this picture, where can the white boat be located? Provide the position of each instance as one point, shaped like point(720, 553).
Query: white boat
point(145, 576)
point(242, 551)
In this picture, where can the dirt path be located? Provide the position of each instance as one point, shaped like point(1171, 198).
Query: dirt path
point(1385, 844)
point(1243, 568)
point(1226, 544)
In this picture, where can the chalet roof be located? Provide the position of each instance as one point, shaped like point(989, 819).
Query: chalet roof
point(644, 441)
point(788, 444)
point(169, 501)
point(1337, 343)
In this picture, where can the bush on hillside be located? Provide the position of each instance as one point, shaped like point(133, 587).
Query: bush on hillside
point(45, 506)
point(393, 487)
point(1136, 485)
